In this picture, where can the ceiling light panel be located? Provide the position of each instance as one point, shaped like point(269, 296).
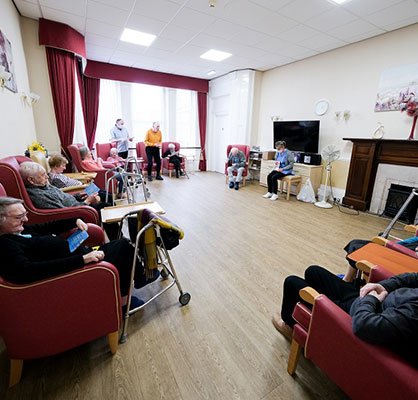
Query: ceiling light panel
point(215, 55)
point(136, 37)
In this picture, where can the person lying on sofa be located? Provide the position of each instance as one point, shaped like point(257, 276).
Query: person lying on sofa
point(44, 195)
point(32, 253)
point(384, 313)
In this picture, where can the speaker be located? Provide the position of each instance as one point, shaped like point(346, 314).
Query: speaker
point(310, 158)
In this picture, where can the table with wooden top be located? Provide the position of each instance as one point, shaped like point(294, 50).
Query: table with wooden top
point(84, 177)
point(116, 213)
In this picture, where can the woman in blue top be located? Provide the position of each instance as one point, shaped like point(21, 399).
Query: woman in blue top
point(283, 166)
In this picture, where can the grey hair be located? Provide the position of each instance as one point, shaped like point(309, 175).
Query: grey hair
point(5, 202)
point(83, 152)
point(171, 146)
point(29, 169)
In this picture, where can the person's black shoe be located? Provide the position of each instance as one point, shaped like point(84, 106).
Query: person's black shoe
point(236, 185)
point(143, 281)
point(231, 185)
point(150, 178)
point(159, 178)
point(135, 303)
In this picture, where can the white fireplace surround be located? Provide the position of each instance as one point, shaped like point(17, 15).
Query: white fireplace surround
point(388, 174)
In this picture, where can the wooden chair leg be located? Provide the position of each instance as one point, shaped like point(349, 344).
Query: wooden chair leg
point(113, 339)
point(288, 189)
point(16, 367)
point(169, 172)
point(243, 181)
point(295, 350)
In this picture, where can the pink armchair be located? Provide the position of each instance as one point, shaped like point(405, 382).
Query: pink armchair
point(166, 166)
point(246, 150)
point(14, 187)
point(360, 369)
point(100, 180)
point(393, 245)
point(103, 151)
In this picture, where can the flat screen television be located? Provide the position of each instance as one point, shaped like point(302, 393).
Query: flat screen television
point(300, 136)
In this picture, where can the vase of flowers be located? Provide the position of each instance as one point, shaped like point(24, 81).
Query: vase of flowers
point(36, 146)
point(410, 105)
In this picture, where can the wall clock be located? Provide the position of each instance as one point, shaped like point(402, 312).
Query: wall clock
point(321, 107)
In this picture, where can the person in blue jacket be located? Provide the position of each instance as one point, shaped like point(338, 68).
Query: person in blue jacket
point(283, 166)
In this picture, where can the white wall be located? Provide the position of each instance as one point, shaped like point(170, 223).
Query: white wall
point(18, 126)
point(44, 114)
point(348, 78)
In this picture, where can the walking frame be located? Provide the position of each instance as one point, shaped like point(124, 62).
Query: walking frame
point(386, 233)
point(131, 180)
point(163, 260)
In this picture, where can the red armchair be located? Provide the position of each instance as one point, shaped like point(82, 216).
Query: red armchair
point(103, 151)
point(51, 316)
point(360, 369)
point(165, 164)
point(393, 245)
point(141, 153)
point(246, 150)
point(100, 180)
point(14, 187)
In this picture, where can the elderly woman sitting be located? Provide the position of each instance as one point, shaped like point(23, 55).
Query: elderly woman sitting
point(89, 164)
point(174, 158)
point(57, 164)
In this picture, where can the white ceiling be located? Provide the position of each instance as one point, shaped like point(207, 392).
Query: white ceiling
point(261, 34)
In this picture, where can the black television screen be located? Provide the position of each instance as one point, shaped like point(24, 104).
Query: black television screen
point(300, 136)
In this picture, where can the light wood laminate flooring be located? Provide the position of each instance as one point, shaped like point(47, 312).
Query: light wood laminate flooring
point(237, 250)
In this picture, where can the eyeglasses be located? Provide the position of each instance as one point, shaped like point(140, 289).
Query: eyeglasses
point(18, 217)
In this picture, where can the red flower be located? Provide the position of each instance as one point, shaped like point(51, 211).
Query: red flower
point(410, 105)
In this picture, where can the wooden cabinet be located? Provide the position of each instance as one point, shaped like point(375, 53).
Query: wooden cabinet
point(314, 172)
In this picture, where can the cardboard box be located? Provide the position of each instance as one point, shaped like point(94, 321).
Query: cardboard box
point(268, 155)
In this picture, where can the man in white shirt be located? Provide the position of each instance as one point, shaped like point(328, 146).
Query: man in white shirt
point(119, 135)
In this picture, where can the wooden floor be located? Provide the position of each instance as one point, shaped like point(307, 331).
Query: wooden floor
point(237, 250)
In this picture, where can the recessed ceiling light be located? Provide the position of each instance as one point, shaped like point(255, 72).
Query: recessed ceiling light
point(339, 1)
point(215, 55)
point(136, 37)
point(210, 73)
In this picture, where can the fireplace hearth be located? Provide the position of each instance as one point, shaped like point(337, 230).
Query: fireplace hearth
point(397, 196)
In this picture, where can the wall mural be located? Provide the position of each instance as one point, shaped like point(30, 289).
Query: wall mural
point(397, 85)
point(6, 59)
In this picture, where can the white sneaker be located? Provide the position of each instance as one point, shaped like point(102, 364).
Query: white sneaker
point(274, 197)
point(267, 195)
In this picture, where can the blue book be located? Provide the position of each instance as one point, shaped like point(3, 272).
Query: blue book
point(75, 240)
point(91, 189)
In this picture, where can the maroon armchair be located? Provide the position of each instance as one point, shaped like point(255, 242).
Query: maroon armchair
point(393, 245)
point(100, 180)
point(103, 151)
point(165, 164)
point(14, 187)
point(56, 314)
point(246, 150)
point(362, 370)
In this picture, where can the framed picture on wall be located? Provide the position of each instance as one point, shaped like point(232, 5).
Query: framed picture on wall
point(6, 59)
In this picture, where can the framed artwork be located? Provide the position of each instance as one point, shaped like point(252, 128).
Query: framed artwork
point(6, 59)
point(396, 85)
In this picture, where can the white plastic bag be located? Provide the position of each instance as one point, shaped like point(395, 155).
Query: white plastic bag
point(307, 193)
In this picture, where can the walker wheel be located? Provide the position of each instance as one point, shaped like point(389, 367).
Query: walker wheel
point(164, 273)
point(184, 298)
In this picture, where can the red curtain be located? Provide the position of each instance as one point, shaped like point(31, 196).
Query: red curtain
point(202, 110)
point(61, 66)
point(89, 94)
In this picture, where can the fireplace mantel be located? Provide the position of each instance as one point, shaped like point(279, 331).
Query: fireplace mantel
point(367, 154)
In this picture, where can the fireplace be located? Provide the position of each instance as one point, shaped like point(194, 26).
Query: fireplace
point(397, 196)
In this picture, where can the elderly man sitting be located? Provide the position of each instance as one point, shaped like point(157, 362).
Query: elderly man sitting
point(44, 195)
point(236, 162)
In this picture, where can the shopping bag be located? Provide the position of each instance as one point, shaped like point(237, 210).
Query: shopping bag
point(307, 193)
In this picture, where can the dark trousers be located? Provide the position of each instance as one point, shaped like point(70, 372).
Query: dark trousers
point(153, 152)
point(272, 179)
point(120, 253)
point(176, 161)
point(123, 154)
point(338, 291)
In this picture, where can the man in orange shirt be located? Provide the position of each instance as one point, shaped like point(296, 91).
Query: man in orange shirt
point(153, 139)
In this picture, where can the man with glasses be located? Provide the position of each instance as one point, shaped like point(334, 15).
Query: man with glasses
point(30, 253)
